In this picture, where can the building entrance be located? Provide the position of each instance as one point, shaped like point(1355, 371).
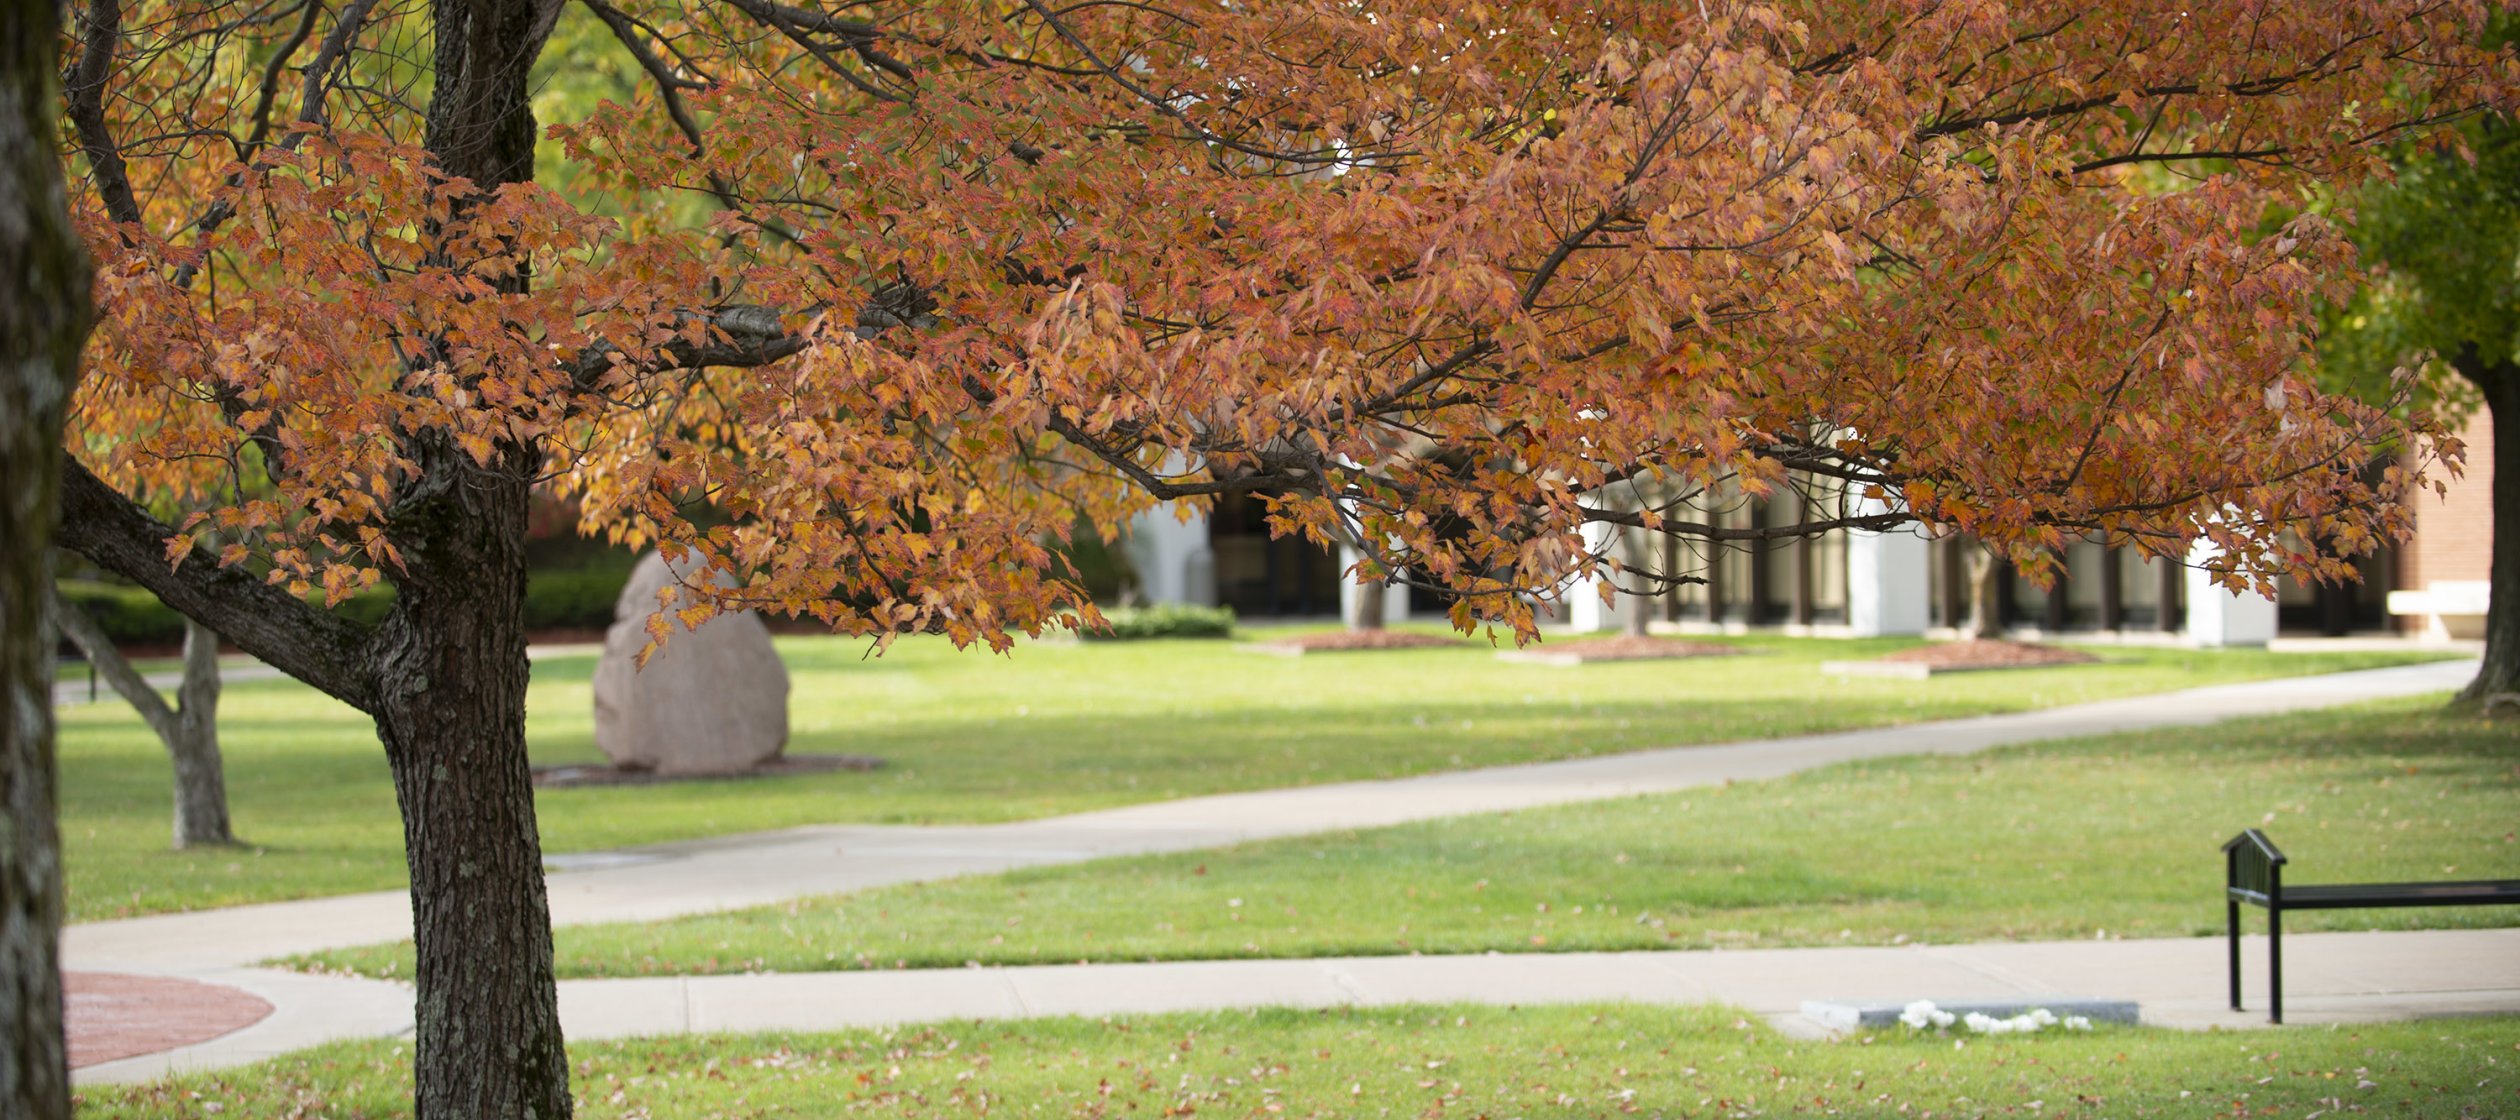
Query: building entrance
point(1263, 577)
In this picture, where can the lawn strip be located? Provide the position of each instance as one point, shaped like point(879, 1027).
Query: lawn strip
point(971, 737)
point(2113, 836)
point(1584, 1060)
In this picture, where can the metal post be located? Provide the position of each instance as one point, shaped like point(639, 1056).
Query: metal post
point(2275, 964)
point(2231, 918)
point(2231, 922)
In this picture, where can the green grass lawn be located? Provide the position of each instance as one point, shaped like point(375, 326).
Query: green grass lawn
point(1055, 727)
point(2111, 836)
point(1603, 1060)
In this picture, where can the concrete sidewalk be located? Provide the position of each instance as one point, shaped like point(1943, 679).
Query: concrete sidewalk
point(671, 880)
point(2330, 978)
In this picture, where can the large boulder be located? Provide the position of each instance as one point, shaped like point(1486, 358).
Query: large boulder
point(712, 701)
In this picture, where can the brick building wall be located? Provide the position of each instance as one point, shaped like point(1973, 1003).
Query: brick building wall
point(2454, 534)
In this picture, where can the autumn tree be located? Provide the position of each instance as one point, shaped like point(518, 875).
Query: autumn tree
point(43, 317)
point(2446, 228)
point(895, 292)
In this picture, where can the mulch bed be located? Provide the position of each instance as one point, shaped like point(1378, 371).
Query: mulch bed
point(109, 1016)
point(565, 777)
point(1987, 653)
point(1621, 647)
point(1337, 641)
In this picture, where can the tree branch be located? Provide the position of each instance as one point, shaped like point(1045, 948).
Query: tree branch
point(320, 649)
point(127, 682)
point(742, 335)
point(1876, 522)
point(100, 33)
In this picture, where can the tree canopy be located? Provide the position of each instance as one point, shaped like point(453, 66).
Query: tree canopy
point(2443, 232)
point(1509, 256)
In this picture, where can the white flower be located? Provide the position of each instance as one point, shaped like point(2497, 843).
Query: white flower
point(2028, 1022)
point(2077, 1023)
point(1923, 1014)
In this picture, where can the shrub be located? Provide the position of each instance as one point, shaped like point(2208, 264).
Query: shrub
point(572, 600)
point(126, 614)
point(1169, 620)
point(133, 616)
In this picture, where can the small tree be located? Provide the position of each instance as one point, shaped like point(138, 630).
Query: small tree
point(2446, 229)
point(1984, 620)
point(189, 729)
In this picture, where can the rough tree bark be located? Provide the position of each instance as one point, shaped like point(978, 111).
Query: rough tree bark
point(44, 317)
point(189, 729)
point(450, 678)
point(451, 672)
point(2500, 673)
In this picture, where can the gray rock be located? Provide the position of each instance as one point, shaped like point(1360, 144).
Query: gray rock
point(712, 701)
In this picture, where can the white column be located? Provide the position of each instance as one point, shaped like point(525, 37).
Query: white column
point(1889, 579)
point(1581, 606)
point(2216, 617)
point(1173, 562)
point(1395, 597)
point(1888, 589)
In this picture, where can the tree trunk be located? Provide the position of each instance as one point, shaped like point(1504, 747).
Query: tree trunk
point(201, 805)
point(189, 730)
point(451, 676)
point(2500, 673)
point(1982, 621)
point(43, 320)
point(1371, 597)
point(450, 660)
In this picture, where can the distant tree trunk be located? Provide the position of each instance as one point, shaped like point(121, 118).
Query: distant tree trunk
point(2500, 672)
point(44, 317)
point(1371, 599)
point(1634, 608)
point(201, 804)
point(190, 729)
point(1982, 611)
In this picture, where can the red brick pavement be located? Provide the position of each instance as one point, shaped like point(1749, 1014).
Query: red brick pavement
point(112, 1015)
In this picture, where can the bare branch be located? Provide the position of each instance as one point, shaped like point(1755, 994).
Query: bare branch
point(100, 35)
point(127, 682)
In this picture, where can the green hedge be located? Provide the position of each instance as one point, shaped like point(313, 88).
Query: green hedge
point(1170, 620)
point(572, 600)
point(576, 600)
point(126, 614)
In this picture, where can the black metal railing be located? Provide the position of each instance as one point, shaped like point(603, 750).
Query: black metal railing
point(2253, 871)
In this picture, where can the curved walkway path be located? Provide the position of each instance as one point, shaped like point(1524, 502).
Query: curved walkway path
point(2363, 975)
